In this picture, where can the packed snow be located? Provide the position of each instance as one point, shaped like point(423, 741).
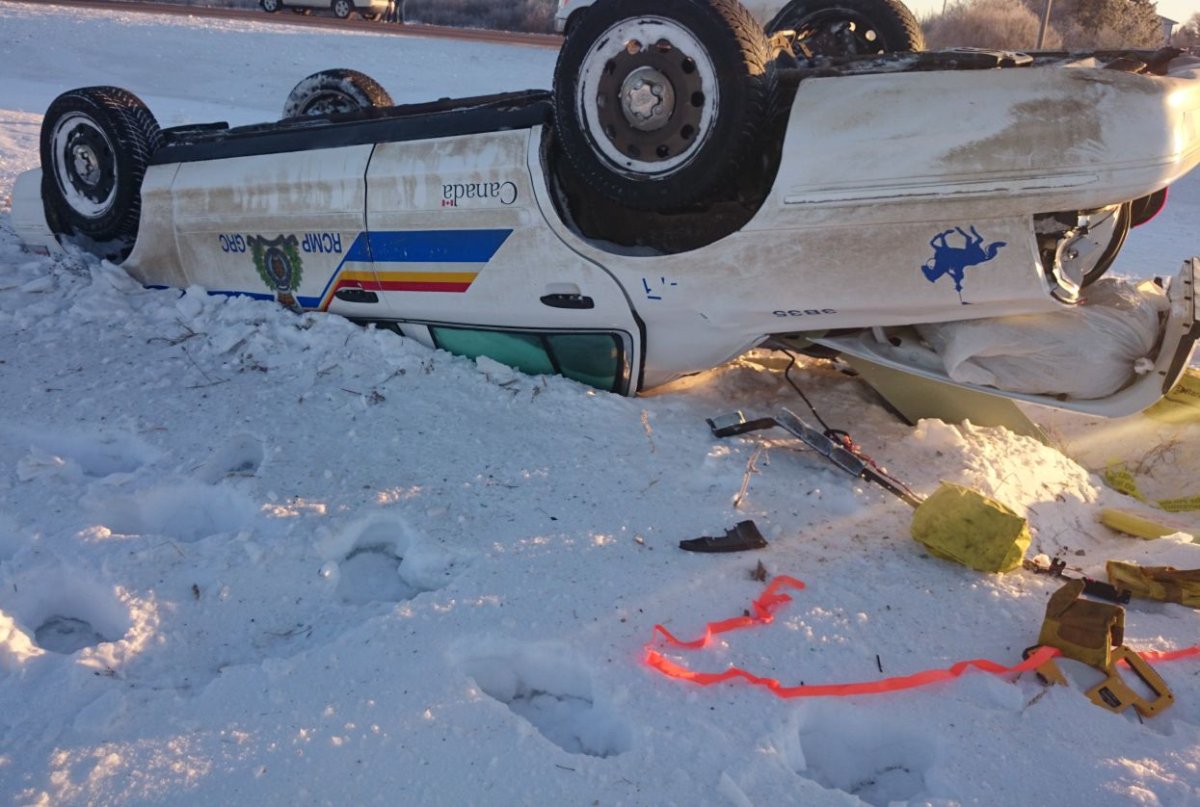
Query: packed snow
point(250, 557)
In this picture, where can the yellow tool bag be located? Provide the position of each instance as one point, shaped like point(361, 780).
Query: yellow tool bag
point(1092, 633)
point(963, 525)
point(1163, 583)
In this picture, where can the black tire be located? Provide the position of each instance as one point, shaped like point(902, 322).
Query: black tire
point(333, 91)
point(95, 145)
point(342, 8)
point(659, 103)
point(1144, 209)
point(850, 27)
point(571, 23)
point(1124, 221)
point(270, 6)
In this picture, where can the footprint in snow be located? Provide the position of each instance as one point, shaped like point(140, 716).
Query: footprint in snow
point(185, 511)
point(240, 455)
point(371, 573)
point(849, 749)
point(77, 455)
point(63, 610)
point(542, 685)
point(384, 560)
point(67, 634)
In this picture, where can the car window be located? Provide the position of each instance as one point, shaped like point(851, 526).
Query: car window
point(595, 359)
point(590, 358)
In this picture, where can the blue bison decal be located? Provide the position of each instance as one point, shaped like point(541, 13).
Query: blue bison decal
point(953, 261)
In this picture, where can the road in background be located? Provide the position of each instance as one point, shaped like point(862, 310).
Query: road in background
point(315, 21)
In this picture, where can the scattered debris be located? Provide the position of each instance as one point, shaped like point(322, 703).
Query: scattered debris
point(1163, 583)
point(1093, 633)
point(744, 535)
point(955, 523)
point(1093, 588)
point(751, 468)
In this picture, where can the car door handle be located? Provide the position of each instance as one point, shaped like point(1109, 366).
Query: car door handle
point(352, 295)
point(568, 301)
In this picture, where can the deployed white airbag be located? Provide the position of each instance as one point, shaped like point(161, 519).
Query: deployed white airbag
point(1091, 350)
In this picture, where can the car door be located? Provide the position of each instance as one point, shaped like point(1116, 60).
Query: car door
point(465, 261)
point(277, 226)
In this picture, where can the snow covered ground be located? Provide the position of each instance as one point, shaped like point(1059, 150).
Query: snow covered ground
point(253, 558)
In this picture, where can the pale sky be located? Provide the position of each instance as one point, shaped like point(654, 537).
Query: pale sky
point(1181, 10)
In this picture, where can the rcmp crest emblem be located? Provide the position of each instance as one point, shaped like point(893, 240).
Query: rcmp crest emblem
point(278, 263)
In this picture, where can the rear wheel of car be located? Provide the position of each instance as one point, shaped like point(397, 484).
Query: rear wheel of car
point(850, 27)
point(342, 8)
point(270, 6)
point(95, 145)
point(658, 103)
point(332, 91)
point(1115, 224)
point(1146, 208)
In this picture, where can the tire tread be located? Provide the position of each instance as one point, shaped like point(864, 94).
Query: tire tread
point(371, 92)
point(136, 135)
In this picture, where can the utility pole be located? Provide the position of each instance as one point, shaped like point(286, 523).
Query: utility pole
point(1045, 22)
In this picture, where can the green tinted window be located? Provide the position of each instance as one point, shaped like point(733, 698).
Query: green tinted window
point(595, 359)
point(523, 351)
point(590, 358)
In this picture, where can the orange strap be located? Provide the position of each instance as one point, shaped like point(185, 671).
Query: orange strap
point(763, 612)
point(1170, 655)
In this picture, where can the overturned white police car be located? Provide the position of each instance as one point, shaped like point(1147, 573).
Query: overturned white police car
point(690, 189)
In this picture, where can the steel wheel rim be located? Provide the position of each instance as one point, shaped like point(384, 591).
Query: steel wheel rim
point(84, 165)
point(647, 96)
point(823, 32)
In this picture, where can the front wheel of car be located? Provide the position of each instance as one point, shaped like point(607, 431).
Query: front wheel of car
point(660, 103)
point(850, 27)
point(1113, 228)
point(270, 6)
point(96, 143)
point(332, 91)
point(342, 8)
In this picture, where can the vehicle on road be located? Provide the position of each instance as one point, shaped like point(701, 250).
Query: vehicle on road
point(368, 9)
point(690, 189)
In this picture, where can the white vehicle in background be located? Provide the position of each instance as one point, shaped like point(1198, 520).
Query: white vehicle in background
point(369, 9)
point(689, 190)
